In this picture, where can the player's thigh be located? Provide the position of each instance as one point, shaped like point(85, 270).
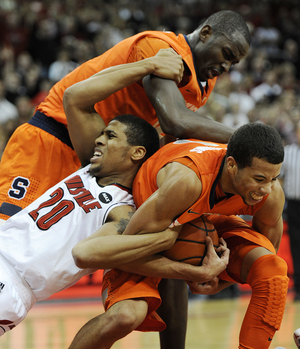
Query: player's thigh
point(250, 258)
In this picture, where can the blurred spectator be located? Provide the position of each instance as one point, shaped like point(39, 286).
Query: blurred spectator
point(15, 33)
point(62, 66)
point(25, 109)
point(45, 86)
point(8, 111)
point(269, 89)
point(13, 85)
point(290, 53)
point(241, 97)
point(44, 42)
point(235, 118)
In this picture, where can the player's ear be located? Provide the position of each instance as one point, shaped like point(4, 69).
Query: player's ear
point(138, 152)
point(205, 32)
point(231, 164)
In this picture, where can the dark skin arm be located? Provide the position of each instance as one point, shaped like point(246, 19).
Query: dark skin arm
point(176, 119)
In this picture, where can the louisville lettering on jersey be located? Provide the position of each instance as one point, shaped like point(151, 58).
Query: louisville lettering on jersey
point(60, 207)
point(83, 197)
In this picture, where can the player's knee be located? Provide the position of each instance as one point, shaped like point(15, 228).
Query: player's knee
point(128, 315)
point(267, 267)
point(269, 282)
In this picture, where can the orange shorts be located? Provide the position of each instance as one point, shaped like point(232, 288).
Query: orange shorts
point(33, 161)
point(120, 286)
point(240, 237)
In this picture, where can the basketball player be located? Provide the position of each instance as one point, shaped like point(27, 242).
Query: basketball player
point(36, 243)
point(186, 179)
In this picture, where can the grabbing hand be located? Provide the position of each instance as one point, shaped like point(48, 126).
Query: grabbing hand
point(207, 288)
point(168, 65)
point(216, 261)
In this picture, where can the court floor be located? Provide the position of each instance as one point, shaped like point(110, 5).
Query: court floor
point(212, 324)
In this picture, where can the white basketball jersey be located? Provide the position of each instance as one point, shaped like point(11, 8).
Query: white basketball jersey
point(38, 240)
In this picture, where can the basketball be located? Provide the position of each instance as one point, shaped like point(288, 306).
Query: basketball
point(190, 245)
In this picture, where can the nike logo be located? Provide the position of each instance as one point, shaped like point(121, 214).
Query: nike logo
point(270, 339)
point(190, 211)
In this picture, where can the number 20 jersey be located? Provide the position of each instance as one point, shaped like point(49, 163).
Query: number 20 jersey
point(38, 240)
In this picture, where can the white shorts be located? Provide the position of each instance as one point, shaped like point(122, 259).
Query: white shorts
point(16, 298)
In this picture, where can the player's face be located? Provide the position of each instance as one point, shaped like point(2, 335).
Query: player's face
point(214, 55)
point(254, 182)
point(112, 152)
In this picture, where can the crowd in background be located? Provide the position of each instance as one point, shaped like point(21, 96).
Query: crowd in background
point(41, 41)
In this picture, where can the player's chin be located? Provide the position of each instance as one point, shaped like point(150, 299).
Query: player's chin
point(95, 170)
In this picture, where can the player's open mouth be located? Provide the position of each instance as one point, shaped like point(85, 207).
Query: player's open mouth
point(256, 197)
point(97, 154)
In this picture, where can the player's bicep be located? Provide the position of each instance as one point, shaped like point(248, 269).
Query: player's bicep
point(84, 126)
point(120, 217)
point(179, 188)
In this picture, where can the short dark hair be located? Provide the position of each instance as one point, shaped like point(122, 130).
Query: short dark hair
point(228, 23)
point(255, 140)
point(140, 132)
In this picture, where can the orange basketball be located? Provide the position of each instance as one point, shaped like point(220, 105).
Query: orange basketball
point(190, 245)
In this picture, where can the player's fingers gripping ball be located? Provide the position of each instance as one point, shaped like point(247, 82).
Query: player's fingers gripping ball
point(190, 246)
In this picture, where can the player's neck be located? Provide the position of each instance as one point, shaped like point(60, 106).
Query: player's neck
point(125, 180)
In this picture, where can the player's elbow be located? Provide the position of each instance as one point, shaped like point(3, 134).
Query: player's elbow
point(174, 127)
point(80, 258)
point(69, 98)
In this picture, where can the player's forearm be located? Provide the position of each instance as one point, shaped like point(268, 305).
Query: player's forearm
point(114, 250)
point(101, 85)
point(176, 119)
point(158, 266)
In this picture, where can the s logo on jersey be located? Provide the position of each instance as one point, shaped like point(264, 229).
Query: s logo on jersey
point(19, 188)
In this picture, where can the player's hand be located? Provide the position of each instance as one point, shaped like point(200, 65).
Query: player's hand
point(215, 262)
point(168, 65)
point(207, 288)
point(222, 248)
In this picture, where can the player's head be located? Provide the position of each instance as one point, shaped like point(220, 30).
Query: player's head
point(255, 140)
point(253, 161)
point(221, 41)
point(140, 132)
point(122, 147)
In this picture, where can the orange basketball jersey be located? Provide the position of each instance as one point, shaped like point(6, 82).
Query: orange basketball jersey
point(131, 99)
point(208, 158)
